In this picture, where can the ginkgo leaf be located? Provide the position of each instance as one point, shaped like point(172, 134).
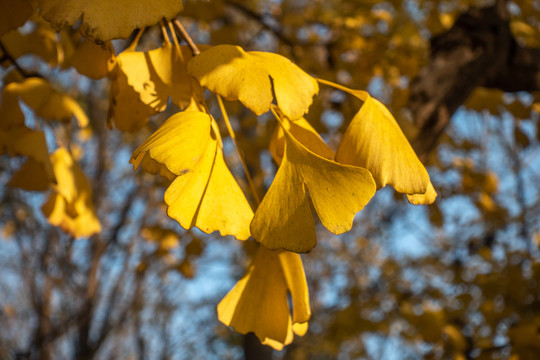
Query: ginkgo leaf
point(70, 205)
point(258, 303)
point(204, 193)
point(304, 133)
point(423, 199)
point(253, 78)
point(157, 74)
point(26, 142)
point(41, 41)
point(375, 141)
point(209, 197)
point(11, 115)
point(31, 177)
point(93, 60)
point(337, 191)
point(177, 145)
point(47, 102)
point(106, 20)
point(14, 14)
point(126, 110)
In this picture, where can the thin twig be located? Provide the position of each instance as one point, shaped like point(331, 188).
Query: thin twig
point(7, 56)
point(260, 19)
point(233, 137)
point(184, 35)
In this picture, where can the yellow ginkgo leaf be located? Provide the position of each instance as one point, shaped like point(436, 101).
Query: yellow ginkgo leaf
point(209, 197)
point(204, 193)
point(126, 110)
point(14, 14)
point(337, 191)
point(304, 133)
point(106, 20)
point(259, 303)
point(375, 141)
point(31, 177)
point(47, 102)
point(177, 145)
point(157, 74)
point(253, 78)
point(423, 199)
point(93, 60)
point(26, 142)
point(40, 42)
point(70, 205)
point(11, 115)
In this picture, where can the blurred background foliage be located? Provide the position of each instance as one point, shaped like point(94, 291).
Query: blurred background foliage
point(456, 280)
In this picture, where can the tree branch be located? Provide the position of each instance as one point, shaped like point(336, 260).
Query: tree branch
point(479, 50)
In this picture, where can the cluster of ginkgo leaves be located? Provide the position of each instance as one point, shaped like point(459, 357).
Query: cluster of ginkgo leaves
point(187, 148)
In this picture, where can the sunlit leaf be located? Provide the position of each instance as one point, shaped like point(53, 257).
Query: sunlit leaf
point(159, 74)
point(374, 141)
point(304, 133)
point(204, 193)
point(70, 205)
point(254, 78)
point(106, 20)
point(177, 145)
point(126, 110)
point(259, 304)
point(284, 219)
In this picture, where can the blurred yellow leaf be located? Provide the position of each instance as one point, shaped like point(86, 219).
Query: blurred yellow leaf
point(166, 238)
point(47, 102)
point(254, 78)
point(41, 41)
point(31, 176)
point(14, 14)
point(258, 303)
point(26, 142)
point(485, 99)
point(93, 60)
point(284, 219)
point(10, 111)
point(106, 20)
point(519, 110)
point(70, 205)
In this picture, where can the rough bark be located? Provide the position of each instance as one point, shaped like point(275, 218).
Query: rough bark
point(479, 50)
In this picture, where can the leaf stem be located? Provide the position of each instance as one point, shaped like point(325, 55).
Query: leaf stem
point(362, 95)
point(242, 160)
point(164, 32)
point(135, 41)
point(175, 40)
point(184, 35)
